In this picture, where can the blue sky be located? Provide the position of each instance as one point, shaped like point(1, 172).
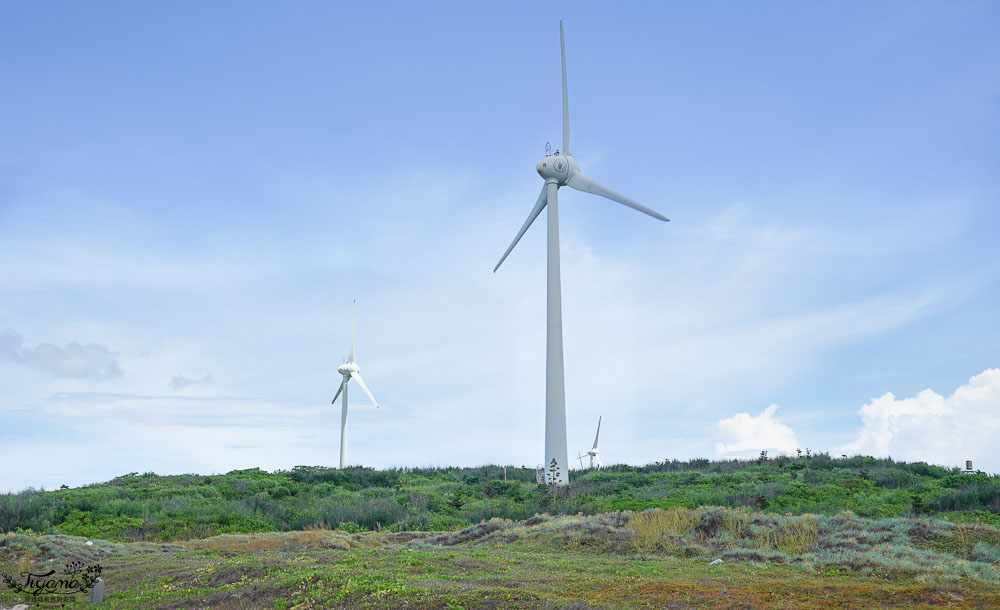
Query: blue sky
point(191, 196)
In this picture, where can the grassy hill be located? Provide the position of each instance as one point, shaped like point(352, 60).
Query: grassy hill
point(148, 507)
point(809, 531)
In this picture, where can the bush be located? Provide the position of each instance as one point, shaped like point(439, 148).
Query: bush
point(88, 525)
point(971, 497)
point(235, 523)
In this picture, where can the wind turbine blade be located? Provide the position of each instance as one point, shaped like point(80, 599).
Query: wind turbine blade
point(588, 185)
point(357, 376)
point(600, 464)
point(598, 432)
point(354, 315)
point(565, 91)
point(339, 390)
point(535, 211)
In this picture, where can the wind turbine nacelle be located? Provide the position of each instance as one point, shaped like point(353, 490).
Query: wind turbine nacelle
point(593, 452)
point(347, 368)
point(558, 168)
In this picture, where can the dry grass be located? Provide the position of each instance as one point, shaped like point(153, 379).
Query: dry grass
point(239, 542)
point(796, 536)
point(737, 524)
point(318, 536)
point(656, 528)
point(315, 536)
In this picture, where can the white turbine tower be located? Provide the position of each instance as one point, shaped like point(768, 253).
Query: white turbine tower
point(594, 452)
point(349, 370)
point(558, 170)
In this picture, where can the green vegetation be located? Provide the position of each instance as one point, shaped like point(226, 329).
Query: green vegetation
point(157, 508)
point(849, 532)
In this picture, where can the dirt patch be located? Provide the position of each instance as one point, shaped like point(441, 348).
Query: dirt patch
point(226, 577)
point(404, 537)
point(752, 556)
point(252, 596)
point(764, 522)
point(710, 525)
point(826, 544)
point(922, 531)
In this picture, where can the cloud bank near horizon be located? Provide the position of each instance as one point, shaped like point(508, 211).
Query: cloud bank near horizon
point(927, 427)
point(933, 428)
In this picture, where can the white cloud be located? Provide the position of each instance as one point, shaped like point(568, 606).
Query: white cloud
point(179, 382)
point(744, 435)
point(933, 428)
point(89, 361)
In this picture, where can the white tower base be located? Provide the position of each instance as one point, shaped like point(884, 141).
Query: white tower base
point(343, 430)
point(555, 385)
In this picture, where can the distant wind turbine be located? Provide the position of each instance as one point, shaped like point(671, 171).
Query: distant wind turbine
point(349, 370)
point(558, 170)
point(594, 452)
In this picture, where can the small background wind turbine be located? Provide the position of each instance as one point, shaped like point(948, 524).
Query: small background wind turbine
point(559, 170)
point(594, 453)
point(350, 370)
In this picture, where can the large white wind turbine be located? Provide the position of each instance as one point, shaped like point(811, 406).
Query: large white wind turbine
point(349, 370)
point(558, 170)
